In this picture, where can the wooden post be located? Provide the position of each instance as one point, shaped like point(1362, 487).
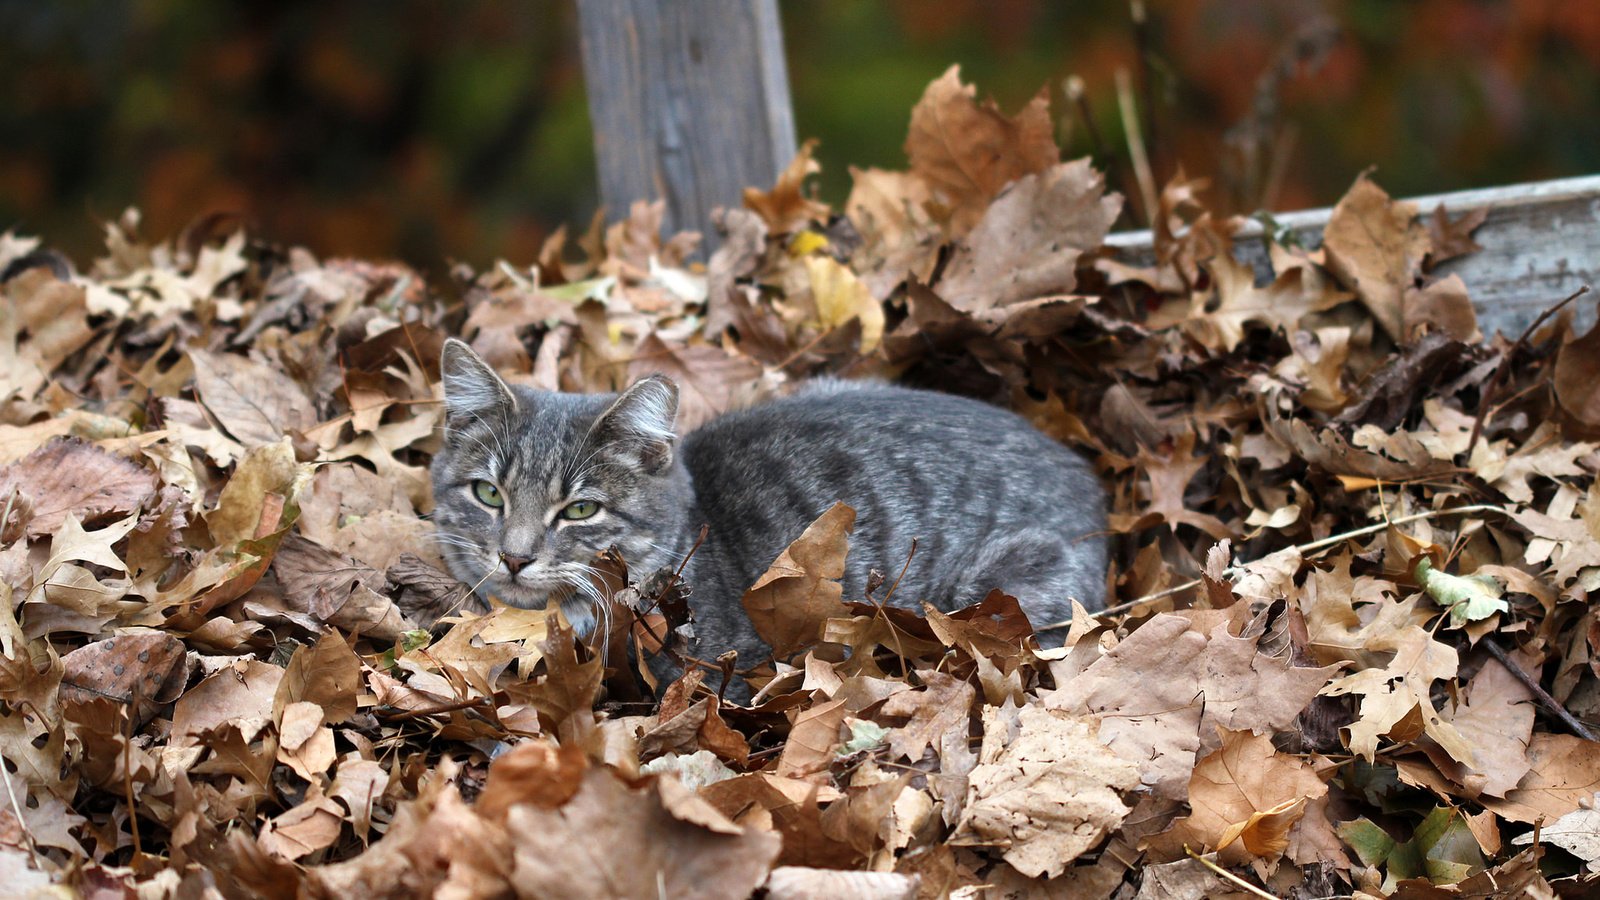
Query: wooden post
point(690, 102)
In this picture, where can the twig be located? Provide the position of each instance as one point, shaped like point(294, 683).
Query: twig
point(1220, 872)
point(127, 772)
point(1303, 548)
point(1073, 88)
point(1147, 93)
point(1136, 151)
point(1500, 368)
point(16, 809)
point(1548, 702)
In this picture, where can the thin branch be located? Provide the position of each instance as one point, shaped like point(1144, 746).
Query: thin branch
point(1501, 367)
point(1222, 873)
point(1329, 541)
point(1136, 150)
point(1545, 700)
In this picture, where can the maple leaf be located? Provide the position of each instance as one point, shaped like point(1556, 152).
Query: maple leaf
point(1169, 475)
point(967, 152)
point(789, 604)
point(1048, 793)
point(1401, 661)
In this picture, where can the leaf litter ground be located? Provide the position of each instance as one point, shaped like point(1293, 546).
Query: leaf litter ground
point(1354, 649)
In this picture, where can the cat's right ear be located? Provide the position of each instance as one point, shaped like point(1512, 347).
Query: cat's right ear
point(472, 390)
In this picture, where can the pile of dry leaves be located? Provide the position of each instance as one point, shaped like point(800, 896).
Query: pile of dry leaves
point(1362, 538)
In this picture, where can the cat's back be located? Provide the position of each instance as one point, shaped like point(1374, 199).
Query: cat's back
point(969, 482)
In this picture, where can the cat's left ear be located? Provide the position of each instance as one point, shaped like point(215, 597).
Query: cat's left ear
point(639, 423)
point(471, 387)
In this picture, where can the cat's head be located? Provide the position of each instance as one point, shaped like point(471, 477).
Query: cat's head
point(530, 485)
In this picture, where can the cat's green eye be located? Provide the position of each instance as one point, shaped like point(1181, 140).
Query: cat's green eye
point(579, 509)
point(488, 494)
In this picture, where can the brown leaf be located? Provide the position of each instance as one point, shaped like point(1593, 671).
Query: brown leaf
point(938, 712)
point(1246, 797)
point(1047, 793)
point(809, 750)
point(68, 475)
point(1442, 306)
point(1453, 237)
point(150, 667)
point(1577, 377)
point(540, 773)
point(785, 208)
point(1496, 719)
point(967, 152)
point(899, 237)
point(1164, 691)
point(789, 604)
point(336, 589)
point(1376, 247)
point(327, 674)
point(1563, 774)
point(1400, 661)
point(241, 695)
point(633, 847)
point(1281, 304)
point(1028, 242)
point(253, 401)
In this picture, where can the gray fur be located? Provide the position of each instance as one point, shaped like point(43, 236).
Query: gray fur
point(991, 501)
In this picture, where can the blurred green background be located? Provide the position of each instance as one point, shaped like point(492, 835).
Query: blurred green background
point(437, 131)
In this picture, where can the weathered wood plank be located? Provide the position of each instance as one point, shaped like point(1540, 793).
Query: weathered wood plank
point(690, 102)
point(1541, 242)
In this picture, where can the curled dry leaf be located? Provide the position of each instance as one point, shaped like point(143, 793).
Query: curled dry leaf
point(795, 597)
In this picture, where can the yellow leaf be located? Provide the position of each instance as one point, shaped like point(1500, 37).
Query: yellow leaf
point(840, 297)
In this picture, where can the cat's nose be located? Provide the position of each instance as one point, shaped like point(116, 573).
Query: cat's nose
point(515, 563)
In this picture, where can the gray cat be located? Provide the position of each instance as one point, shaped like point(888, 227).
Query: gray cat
point(529, 485)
